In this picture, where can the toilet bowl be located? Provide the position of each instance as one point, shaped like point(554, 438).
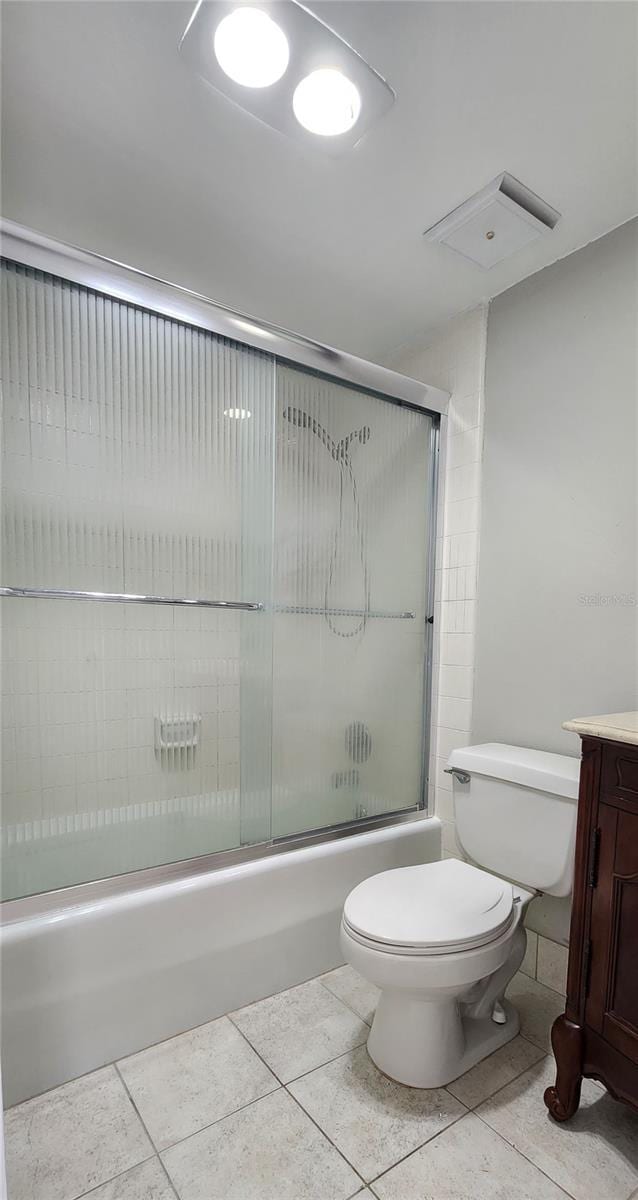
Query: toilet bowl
point(442, 940)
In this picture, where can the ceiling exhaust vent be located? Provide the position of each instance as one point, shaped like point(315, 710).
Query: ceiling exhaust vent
point(496, 222)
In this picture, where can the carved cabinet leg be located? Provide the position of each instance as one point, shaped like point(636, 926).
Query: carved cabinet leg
point(563, 1099)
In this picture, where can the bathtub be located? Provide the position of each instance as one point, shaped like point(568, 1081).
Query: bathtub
point(90, 983)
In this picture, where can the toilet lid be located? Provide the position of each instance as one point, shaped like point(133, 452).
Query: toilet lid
point(434, 908)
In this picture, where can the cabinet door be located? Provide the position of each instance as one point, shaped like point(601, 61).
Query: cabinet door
point(612, 1000)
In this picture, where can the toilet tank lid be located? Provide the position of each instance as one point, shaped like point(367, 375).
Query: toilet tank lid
point(554, 773)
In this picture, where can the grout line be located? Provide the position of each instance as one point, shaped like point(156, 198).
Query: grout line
point(286, 1088)
point(517, 1150)
point(259, 1056)
point(170, 1181)
point(473, 1108)
point(320, 979)
point(139, 1115)
point(103, 1182)
point(218, 1120)
point(159, 1151)
point(328, 1139)
point(439, 1132)
point(286, 1082)
point(532, 1067)
point(56, 1086)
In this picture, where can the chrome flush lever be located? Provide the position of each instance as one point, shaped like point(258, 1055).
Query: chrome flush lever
point(461, 776)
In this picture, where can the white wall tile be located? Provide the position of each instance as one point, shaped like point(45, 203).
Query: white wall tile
point(460, 550)
point(464, 448)
point(463, 483)
point(454, 358)
point(461, 516)
point(448, 740)
point(443, 804)
point(457, 649)
point(456, 681)
point(457, 616)
point(455, 714)
point(459, 583)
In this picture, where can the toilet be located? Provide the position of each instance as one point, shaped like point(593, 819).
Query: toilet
point(443, 939)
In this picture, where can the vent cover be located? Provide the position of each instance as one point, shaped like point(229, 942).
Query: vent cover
point(496, 222)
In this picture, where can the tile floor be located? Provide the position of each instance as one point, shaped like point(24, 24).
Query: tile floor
point(279, 1101)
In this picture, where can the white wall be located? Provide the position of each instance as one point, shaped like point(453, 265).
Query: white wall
point(557, 610)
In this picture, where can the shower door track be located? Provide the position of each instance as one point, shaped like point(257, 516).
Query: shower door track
point(133, 286)
point(94, 891)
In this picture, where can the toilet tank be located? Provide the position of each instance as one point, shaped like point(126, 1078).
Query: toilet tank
point(515, 813)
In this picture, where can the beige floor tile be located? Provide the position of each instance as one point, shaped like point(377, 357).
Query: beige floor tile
point(298, 1030)
point(552, 965)
point(354, 990)
point(466, 1162)
point(538, 1007)
point(73, 1138)
point(148, 1181)
point(594, 1156)
point(186, 1083)
point(372, 1121)
point(495, 1071)
point(268, 1151)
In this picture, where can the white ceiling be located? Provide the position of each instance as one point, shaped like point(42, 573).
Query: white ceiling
point(111, 143)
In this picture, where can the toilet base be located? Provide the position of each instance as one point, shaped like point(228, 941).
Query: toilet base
point(426, 1044)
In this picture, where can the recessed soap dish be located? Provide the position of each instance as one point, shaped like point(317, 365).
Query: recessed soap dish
point(176, 736)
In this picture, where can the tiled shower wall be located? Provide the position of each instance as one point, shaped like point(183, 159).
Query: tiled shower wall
point(105, 491)
point(454, 359)
point(122, 472)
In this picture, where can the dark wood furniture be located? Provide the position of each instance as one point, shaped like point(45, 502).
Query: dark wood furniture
point(597, 1035)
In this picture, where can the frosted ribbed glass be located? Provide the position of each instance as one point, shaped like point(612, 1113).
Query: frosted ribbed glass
point(352, 525)
point(124, 472)
point(141, 455)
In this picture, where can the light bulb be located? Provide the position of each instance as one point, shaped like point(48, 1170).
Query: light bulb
point(251, 48)
point(326, 102)
point(238, 414)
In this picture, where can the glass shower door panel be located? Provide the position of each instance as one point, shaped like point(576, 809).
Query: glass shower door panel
point(352, 522)
point(137, 458)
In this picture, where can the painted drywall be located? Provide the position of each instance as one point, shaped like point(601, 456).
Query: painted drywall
point(556, 633)
point(557, 617)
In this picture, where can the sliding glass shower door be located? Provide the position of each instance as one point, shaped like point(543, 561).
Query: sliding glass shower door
point(138, 463)
point(352, 525)
point(215, 570)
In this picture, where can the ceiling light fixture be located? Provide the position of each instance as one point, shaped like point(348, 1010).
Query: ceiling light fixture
point(238, 414)
point(287, 68)
point(326, 102)
point(251, 48)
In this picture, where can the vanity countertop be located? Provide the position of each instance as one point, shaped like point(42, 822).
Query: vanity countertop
point(617, 727)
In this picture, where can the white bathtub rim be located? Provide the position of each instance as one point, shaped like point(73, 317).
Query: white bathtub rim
point(18, 926)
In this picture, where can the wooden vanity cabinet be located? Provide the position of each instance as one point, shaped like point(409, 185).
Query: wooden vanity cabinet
point(597, 1035)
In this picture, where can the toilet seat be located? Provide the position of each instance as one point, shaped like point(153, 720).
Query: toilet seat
point(435, 908)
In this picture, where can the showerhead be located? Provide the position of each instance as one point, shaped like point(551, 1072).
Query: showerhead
point(338, 450)
point(358, 435)
point(297, 417)
point(303, 420)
